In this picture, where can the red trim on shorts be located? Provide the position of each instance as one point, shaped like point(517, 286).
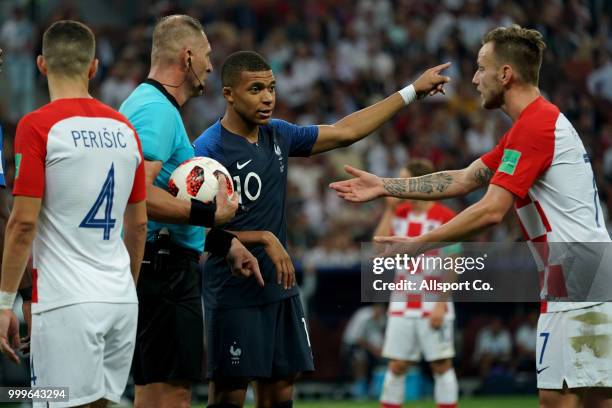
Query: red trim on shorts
point(414, 302)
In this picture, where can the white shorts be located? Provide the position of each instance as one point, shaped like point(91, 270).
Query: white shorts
point(87, 347)
point(407, 338)
point(575, 346)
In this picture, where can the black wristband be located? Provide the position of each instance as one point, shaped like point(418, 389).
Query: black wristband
point(26, 294)
point(202, 214)
point(218, 242)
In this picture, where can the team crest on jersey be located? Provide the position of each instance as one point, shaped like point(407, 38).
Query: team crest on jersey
point(279, 154)
point(235, 353)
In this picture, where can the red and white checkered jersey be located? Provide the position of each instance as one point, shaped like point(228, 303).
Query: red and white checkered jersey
point(406, 222)
point(84, 160)
point(543, 162)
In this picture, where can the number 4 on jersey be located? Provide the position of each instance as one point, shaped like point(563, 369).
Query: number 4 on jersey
point(106, 194)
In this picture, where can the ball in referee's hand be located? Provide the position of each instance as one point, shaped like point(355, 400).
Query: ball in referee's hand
point(197, 178)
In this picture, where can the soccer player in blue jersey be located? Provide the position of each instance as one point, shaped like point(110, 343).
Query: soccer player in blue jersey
point(255, 149)
point(170, 344)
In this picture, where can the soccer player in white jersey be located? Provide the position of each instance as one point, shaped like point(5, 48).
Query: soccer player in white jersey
point(79, 185)
point(540, 166)
point(417, 327)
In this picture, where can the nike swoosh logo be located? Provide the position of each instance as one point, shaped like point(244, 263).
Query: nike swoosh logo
point(541, 369)
point(240, 166)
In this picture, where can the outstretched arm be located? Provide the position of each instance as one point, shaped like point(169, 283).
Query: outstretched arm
point(358, 125)
point(489, 211)
point(435, 186)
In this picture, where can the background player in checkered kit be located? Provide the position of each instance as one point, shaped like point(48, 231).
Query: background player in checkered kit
point(73, 201)
point(416, 327)
point(540, 166)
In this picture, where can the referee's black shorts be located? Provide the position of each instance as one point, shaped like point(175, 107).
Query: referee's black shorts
point(264, 341)
point(170, 334)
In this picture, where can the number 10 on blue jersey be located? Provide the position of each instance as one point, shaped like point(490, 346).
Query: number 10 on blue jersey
point(106, 194)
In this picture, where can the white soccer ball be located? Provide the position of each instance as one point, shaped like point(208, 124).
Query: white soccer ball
point(197, 178)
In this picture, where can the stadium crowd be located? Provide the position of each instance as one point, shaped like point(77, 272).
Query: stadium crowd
point(332, 57)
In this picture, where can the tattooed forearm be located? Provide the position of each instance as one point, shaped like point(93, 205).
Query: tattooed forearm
point(483, 176)
point(395, 187)
point(428, 184)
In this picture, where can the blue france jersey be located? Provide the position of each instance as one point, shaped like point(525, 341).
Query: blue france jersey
point(2, 180)
point(259, 172)
point(155, 116)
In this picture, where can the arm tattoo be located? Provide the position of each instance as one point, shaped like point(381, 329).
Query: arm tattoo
point(427, 184)
point(430, 182)
point(483, 176)
point(395, 187)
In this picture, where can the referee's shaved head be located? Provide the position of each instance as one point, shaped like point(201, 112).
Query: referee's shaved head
point(173, 33)
point(68, 48)
point(241, 61)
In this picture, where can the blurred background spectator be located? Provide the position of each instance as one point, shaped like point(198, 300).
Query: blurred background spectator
point(493, 349)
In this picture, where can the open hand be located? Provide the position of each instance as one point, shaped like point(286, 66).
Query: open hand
point(364, 187)
point(399, 245)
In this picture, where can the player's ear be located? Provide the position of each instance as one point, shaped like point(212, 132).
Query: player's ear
point(506, 74)
point(227, 94)
point(187, 60)
point(93, 68)
point(41, 64)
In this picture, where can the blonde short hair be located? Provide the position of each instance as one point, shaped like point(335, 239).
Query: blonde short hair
point(170, 35)
point(520, 47)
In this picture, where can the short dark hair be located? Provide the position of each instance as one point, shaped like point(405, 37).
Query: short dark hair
point(520, 47)
point(419, 167)
point(68, 48)
point(241, 61)
point(170, 34)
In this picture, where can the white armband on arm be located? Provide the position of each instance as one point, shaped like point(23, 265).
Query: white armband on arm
point(7, 299)
point(408, 94)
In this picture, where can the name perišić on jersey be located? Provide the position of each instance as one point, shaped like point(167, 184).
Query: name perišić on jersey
point(104, 139)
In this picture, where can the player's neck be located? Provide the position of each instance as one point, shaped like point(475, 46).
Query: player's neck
point(420, 206)
point(67, 88)
point(518, 98)
point(173, 81)
point(235, 124)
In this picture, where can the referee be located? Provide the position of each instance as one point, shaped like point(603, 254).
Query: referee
point(170, 344)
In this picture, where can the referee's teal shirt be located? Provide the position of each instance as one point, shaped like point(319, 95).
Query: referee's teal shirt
point(154, 113)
